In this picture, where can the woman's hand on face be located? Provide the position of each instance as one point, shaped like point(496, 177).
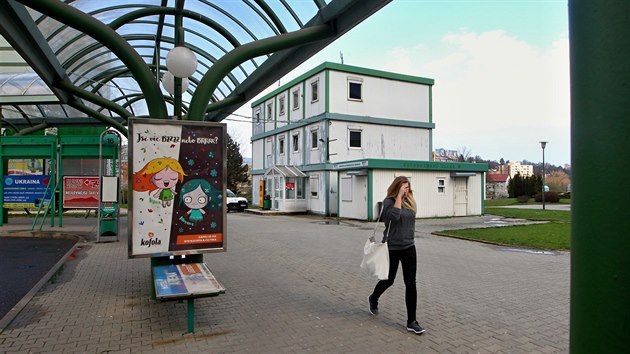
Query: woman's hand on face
point(404, 189)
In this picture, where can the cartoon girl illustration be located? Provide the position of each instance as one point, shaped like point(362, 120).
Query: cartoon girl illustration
point(159, 175)
point(198, 194)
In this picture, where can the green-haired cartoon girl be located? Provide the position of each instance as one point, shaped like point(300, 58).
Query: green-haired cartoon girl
point(160, 175)
point(198, 194)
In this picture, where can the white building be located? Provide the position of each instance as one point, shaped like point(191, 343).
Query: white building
point(332, 140)
point(523, 170)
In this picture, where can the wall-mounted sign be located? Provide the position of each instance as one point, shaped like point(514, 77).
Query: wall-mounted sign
point(80, 192)
point(177, 180)
point(290, 186)
point(25, 191)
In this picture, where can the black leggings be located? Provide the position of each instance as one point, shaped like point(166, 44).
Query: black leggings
point(408, 259)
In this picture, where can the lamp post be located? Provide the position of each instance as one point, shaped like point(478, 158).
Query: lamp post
point(543, 144)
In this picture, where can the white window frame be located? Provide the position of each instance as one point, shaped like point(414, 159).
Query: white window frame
point(295, 94)
point(315, 91)
point(257, 116)
point(295, 142)
point(356, 81)
point(281, 145)
point(281, 105)
point(441, 186)
point(270, 112)
point(313, 181)
point(354, 130)
point(314, 139)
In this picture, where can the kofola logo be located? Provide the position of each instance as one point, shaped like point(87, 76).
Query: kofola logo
point(151, 241)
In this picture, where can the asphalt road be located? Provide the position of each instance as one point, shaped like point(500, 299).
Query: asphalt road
point(23, 263)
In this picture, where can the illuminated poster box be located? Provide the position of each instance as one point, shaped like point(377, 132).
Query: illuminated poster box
point(177, 178)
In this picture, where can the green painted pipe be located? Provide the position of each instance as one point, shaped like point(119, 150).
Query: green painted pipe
point(599, 34)
point(223, 66)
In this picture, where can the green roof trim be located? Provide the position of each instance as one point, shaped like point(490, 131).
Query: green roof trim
point(348, 69)
point(411, 165)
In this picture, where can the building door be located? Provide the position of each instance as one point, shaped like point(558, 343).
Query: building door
point(461, 196)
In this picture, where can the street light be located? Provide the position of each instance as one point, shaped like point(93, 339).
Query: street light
point(543, 144)
point(181, 63)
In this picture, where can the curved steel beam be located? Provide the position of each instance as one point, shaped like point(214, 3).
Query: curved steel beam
point(295, 16)
point(272, 15)
point(226, 102)
point(32, 129)
point(98, 100)
point(98, 116)
point(102, 33)
point(151, 11)
point(213, 77)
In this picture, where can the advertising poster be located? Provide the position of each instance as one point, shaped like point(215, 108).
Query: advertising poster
point(177, 183)
point(25, 191)
point(80, 192)
point(184, 280)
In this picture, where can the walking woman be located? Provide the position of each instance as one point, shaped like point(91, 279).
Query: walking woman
point(399, 215)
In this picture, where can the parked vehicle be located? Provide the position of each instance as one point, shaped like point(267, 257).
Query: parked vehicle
point(234, 202)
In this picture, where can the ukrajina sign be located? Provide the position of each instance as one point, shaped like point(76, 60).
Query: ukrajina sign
point(177, 177)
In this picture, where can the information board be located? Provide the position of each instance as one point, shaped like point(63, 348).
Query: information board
point(80, 192)
point(25, 191)
point(177, 177)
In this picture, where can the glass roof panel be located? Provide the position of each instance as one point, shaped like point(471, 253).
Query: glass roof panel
point(54, 111)
point(88, 63)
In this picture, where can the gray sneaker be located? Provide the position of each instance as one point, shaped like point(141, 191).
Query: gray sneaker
point(372, 306)
point(415, 327)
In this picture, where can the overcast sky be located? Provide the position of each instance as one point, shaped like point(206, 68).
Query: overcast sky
point(501, 71)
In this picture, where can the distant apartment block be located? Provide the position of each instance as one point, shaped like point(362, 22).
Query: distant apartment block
point(523, 170)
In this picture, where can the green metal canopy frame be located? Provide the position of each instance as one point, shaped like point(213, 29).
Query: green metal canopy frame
point(105, 59)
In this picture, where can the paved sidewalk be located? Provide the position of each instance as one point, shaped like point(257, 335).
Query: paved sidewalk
point(294, 285)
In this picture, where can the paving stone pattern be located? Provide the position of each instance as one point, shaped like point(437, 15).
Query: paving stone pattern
point(294, 285)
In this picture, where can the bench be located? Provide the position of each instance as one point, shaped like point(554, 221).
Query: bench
point(178, 281)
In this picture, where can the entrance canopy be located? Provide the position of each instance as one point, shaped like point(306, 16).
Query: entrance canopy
point(101, 62)
point(285, 171)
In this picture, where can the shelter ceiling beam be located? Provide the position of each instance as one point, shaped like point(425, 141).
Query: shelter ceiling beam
point(223, 66)
point(80, 21)
point(19, 29)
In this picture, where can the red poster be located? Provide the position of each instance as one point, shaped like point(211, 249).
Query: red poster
point(80, 192)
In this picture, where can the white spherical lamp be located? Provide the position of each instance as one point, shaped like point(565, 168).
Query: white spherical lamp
point(168, 81)
point(181, 61)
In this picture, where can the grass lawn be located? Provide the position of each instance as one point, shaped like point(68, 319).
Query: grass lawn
point(513, 201)
point(554, 235)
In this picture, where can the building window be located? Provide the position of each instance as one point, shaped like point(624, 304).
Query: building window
point(314, 138)
point(354, 139)
point(269, 112)
point(315, 91)
point(314, 187)
point(441, 186)
point(354, 90)
point(257, 116)
point(281, 146)
point(281, 105)
point(296, 99)
point(299, 186)
point(296, 142)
